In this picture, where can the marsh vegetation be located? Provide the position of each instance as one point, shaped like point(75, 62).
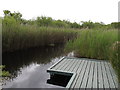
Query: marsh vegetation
point(92, 40)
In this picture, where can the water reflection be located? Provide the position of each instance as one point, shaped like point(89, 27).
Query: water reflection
point(28, 67)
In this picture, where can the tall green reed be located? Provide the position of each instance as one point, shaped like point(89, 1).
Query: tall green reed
point(97, 44)
point(17, 37)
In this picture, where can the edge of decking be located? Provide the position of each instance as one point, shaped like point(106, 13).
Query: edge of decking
point(71, 80)
point(73, 74)
point(55, 64)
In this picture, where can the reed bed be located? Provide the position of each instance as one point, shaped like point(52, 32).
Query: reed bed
point(18, 37)
point(97, 44)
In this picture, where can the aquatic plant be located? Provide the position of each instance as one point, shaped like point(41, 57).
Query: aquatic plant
point(97, 44)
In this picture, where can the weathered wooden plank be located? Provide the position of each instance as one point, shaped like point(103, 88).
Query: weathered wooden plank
point(113, 75)
point(78, 72)
point(71, 65)
point(66, 64)
point(59, 64)
point(79, 81)
point(63, 64)
point(70, 82)
point(110, 79)
point(95, 77)
point(100, 77)
point(74, 69)
point(78, 62)
point(89, 85)
point(105, 79)
point(80, 67)
point(86, 75)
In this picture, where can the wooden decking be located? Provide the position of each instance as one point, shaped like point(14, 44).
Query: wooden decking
point(86, 73)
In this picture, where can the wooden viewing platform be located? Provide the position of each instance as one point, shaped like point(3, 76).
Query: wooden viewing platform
point(86, 73)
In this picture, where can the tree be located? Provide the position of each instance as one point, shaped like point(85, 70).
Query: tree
point(116, 25)
point(88, 24)
point(15, 15)
point(44, 21)
point(6, 12)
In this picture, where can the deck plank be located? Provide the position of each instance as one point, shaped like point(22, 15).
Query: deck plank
point(81, 75)
point(78, 72)
point(113, 75)
point(100, 76)
point(76, 66)
point(60, 63)
point(65, 64)
point(86, 76)
point(71, 65)
point(68, 62)
point(110, 79)
point(105, 79)
point(72, 69)
point(89, 85)
point(95, 81)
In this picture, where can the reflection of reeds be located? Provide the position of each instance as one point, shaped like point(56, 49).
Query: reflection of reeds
point(16, 37)
point(98, 44)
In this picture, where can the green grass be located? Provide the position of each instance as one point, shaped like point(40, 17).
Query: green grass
point(97, 44)
point(17, 37)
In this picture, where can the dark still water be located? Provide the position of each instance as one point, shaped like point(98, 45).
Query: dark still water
point(28, 67)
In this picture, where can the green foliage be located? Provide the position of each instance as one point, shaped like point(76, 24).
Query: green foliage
point(114, 57)
point(10, 21)
point(0, 25)
point(87, 25)
point(75, 25)
point(16, 15)
point(116, 25)
point(3, 73)
point(91, 25)
point(94, 43)
point(16, 36)
point(2, 66)
point(6, 12)
point(44, 21)
point(49, 22)
point(0, 20)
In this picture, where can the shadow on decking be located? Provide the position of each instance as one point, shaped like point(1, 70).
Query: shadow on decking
point(60, 80)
